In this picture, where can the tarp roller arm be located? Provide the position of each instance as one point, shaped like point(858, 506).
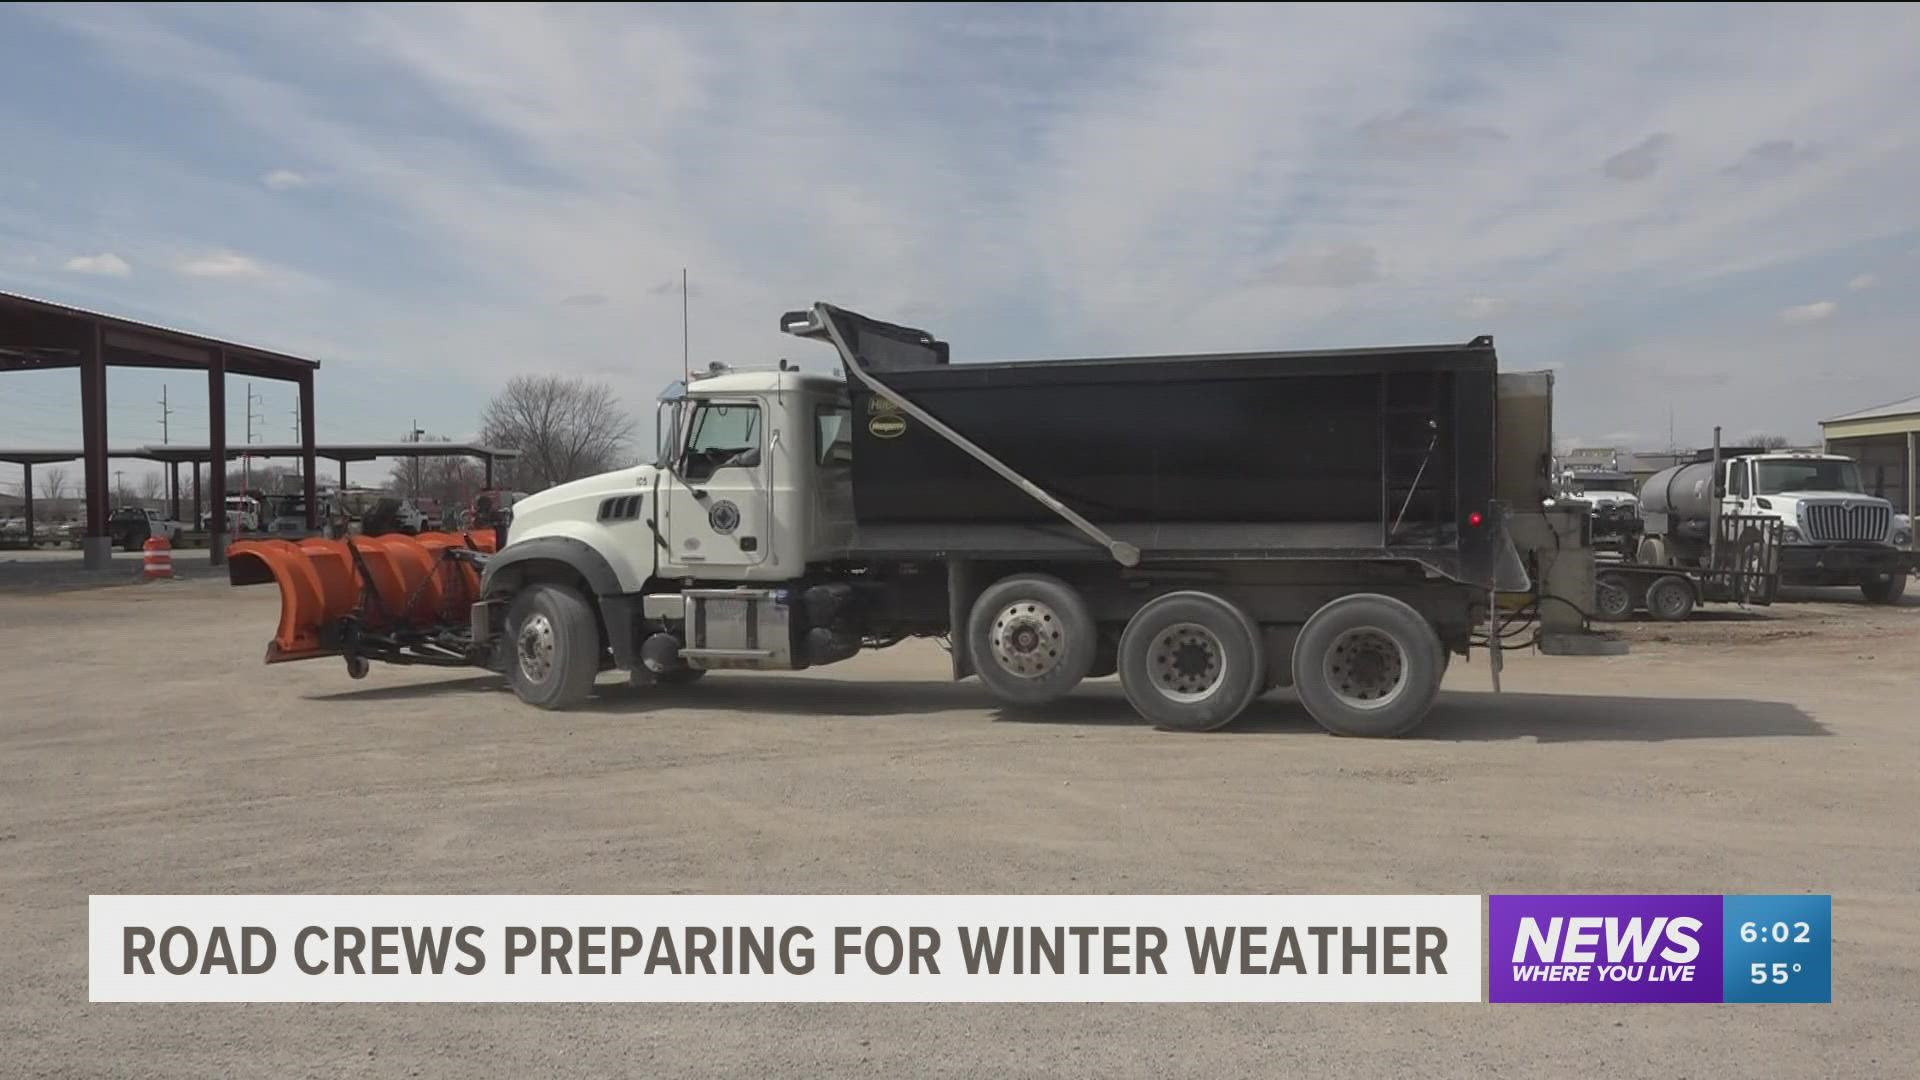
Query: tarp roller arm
point(822, 322)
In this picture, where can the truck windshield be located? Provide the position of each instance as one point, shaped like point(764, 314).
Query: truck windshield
point(1813, 474)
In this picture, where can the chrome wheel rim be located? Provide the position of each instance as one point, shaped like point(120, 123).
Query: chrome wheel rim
point(1366, 668)
point(1027, 639)
point(534, 644)
point(1187, 663)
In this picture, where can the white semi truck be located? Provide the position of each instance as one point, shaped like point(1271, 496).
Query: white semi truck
point(1206, 527)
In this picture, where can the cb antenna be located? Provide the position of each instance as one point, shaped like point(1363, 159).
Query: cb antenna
point(686, 350)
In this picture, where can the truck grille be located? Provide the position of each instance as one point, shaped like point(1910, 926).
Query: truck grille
point(1839, 521)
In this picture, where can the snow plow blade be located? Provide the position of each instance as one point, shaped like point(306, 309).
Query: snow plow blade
point(331, 589)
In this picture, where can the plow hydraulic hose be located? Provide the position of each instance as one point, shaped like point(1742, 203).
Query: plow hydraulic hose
point(389, 582)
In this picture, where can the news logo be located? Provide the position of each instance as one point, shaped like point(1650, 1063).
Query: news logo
point(1604, 948)
point(1662, 948)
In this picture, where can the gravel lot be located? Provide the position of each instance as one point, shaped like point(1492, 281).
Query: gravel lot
point(145, 749)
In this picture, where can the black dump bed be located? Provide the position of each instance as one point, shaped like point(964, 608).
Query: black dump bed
point(1257, 454)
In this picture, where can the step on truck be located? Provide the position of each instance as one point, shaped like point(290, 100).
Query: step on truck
point(1206, 527)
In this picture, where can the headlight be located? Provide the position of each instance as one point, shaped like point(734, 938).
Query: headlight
point(1790, 535)
point(1901, 538)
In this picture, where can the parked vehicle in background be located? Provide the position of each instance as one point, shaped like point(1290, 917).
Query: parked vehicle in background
point(427, 513)
point(13, 528)
point(490, 508)
point(1616, 508)
point(1833, 532)
point(243, 515)
point(131, 526)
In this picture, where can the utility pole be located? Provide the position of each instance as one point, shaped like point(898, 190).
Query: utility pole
point(413, 463)
point(165, 412)
point(246, 456)
point(118, 487)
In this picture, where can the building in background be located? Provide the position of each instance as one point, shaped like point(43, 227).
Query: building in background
point(1885, 441)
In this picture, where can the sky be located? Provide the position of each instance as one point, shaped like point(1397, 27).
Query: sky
point(1695, 215)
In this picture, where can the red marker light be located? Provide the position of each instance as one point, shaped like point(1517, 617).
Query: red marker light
point(1474, 519)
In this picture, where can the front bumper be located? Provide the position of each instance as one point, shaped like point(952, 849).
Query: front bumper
point(1841, 563)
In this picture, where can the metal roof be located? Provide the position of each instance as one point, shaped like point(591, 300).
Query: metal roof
point(1904, 407)
point(331, 451)
point(36, 334)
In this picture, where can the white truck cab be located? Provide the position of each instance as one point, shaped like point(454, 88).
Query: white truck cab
point(751, 482)
point(1833, 531)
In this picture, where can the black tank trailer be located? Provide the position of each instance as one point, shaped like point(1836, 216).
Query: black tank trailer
point(1339, 505)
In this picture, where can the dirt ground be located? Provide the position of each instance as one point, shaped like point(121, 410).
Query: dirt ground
point(144, 749)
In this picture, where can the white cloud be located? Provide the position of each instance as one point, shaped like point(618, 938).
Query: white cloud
point(105, 264)
point(1108, 161)
point(222, 264)
point(1818, 311)
point(284, 180)
point(1863, 281)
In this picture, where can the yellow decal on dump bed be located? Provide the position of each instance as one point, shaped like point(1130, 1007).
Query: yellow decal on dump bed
point(887, 427)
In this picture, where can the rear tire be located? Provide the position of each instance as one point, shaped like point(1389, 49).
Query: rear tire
point(1367, 665)
point(1612, 598)
point(1191, 661)
point(1670, 599)
point(553, 647)
point(1885, 588)
point(1032, 639)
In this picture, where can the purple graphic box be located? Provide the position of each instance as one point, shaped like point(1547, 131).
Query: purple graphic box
point(1578, 948)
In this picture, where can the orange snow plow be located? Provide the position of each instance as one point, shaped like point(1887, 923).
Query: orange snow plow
point(402, 599)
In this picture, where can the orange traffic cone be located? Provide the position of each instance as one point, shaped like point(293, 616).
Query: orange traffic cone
point(159, 558)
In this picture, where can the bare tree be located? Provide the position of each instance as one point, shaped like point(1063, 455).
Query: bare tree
point(151, 486)
point(565, 428)
point(52, 485)
point(1773, 442)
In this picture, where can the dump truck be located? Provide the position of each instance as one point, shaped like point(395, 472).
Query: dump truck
point(1832, 531)
point(1206, 527)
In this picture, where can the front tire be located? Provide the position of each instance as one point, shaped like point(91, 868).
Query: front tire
point(1190, 661)
point(553, 647)
point(1885, 588)
point(1032, 639)
point(1368, 666)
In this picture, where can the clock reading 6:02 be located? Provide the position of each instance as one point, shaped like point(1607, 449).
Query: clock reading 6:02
point(1797, 933)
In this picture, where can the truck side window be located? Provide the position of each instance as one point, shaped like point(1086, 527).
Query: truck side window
point(722, 435)
point(832, 436)
point(1738, 487)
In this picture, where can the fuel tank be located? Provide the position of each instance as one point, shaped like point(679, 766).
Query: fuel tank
point(1683, 491)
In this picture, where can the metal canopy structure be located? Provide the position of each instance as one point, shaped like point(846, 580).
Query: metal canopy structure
point(39, 335)
point(174, 455)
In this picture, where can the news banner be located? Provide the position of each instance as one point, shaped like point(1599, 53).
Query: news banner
point(1708, 948)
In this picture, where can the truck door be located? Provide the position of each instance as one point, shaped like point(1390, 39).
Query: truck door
point(1738, 491)
point(716, 499)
